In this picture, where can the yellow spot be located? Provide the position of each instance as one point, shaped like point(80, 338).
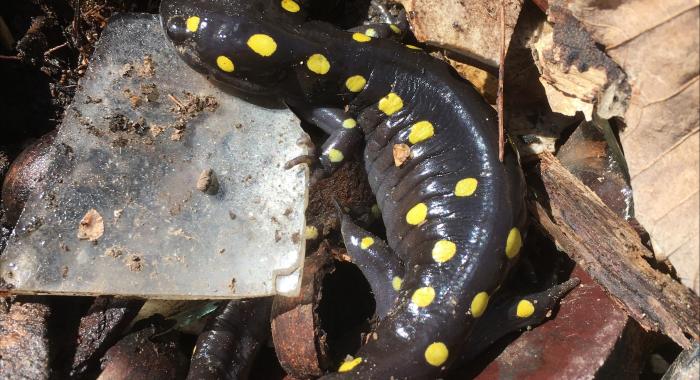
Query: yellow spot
point(366, 242)
point(225, 64)
point(466, 187)
point(290, 6)
point(376, 212)
point(479, 304)
point(436, 354)
point(348, 365)
point(416, 215)
point(396, 283)
point(349, 123)
point(371, 32)
point(335, 155)
point(310, 233)
point(414, 47)
point(192, 24)
point(423, 297)
point(318, 64)
point(262, 44)
point(513, 243)
point(355, 83)
point(395, 28)
point(390, 104)
point(359, 37)
point(443, 250)
point(525, 309)
point(421, 131)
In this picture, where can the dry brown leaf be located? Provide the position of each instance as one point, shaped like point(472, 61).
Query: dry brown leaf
point(471, 28)
point(91, 227)
point(575, 74)
point(656, 44)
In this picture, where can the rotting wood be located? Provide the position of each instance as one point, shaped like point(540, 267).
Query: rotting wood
point(609, 249)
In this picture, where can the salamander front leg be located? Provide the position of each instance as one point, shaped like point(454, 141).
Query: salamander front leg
point(344, 140)
point(512, 315)
point(382, 269)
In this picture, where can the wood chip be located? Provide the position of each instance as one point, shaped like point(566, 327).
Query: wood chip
point(402, 152)
point(91, 227)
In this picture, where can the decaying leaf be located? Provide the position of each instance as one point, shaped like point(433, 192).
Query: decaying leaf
point(91, 227)
point(656, 43)
point(470, 28)
point(576, 75)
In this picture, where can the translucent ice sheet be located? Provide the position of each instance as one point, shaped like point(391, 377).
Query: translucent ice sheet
point(162, 185)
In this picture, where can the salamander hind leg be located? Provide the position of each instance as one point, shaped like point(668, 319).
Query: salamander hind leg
point(382, 269)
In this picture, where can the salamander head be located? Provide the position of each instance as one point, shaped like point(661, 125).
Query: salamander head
point(235, 48)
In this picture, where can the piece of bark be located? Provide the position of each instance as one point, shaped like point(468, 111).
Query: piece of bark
point(469, 28)
point(145, 355)
point(299, 342)
point(530, 122)
point(656, 42)
point(576, 75)
point(105, 321)
point(24, 346)
point(610, 250)
point(661, 139)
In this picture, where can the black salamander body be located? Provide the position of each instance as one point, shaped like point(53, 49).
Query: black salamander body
point(454, 214)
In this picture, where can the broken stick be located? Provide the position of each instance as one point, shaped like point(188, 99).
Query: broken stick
point(609, 249)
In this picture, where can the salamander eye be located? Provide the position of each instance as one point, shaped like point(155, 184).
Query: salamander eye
point(177, 29)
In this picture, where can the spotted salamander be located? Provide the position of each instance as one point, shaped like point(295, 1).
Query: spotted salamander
point(454, 214)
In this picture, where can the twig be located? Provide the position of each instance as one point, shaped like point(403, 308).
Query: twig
point(176, 101)
point(501, 73)
point(53, 49)
point(9, 58)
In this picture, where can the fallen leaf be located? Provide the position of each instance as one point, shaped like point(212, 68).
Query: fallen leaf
point(656, 43)
point(471, 28)
point(575, 74)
